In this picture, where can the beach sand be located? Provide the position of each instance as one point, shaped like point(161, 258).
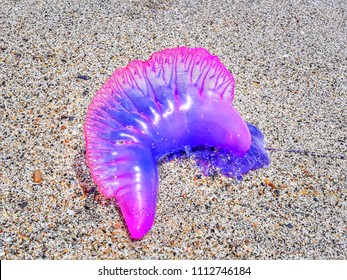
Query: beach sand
point(289, 62)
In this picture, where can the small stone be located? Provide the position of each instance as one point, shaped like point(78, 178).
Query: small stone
point(70, 212)
point(269, 183)
point(23, 204)
point(91, 191)
point(303, 192)
point(37, 176)
point(290, 225)
point(83, 77)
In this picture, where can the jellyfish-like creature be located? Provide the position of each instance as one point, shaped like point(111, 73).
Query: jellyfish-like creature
point(178, 100)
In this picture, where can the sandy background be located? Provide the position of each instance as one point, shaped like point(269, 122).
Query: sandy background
point(289, 61)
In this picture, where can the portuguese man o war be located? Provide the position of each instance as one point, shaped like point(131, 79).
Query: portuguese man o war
point(178, 100)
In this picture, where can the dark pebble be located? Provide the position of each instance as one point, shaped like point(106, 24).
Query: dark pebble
point(83, 77)
point(277, 192)
point(198, 176)
point(290, 225)
point(315, 199)
point(71, 118)
point(23, 204)
point(91, 191)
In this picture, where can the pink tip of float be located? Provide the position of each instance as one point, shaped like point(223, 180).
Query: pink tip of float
point(139, 218)
point(139, 228)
